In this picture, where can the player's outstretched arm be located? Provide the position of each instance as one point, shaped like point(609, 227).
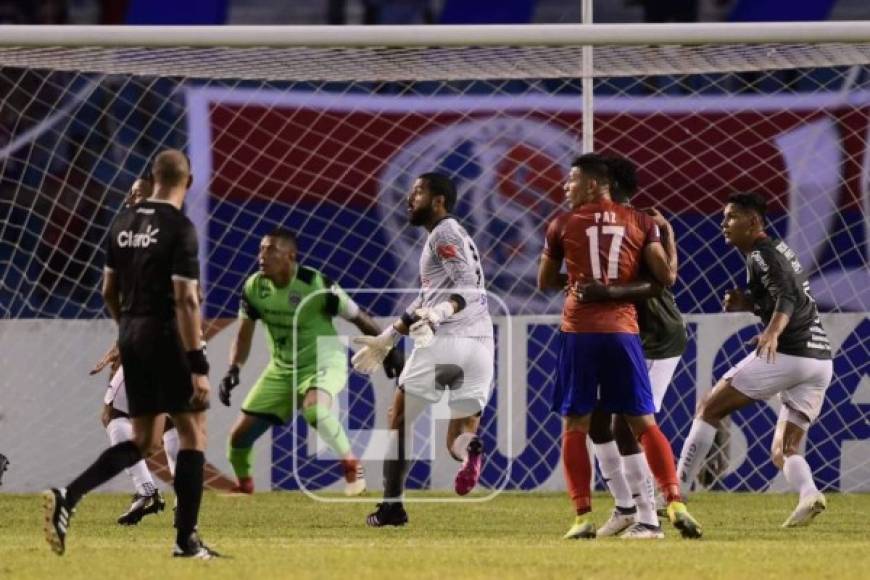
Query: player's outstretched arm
point(240, 349)
point(595, 291)
point(111, 358)
point(394, 360)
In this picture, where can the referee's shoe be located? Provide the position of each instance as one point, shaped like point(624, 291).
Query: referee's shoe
point(193, 548)
point(57, 515)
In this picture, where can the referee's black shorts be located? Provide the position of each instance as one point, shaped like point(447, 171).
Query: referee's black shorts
point(156, 374)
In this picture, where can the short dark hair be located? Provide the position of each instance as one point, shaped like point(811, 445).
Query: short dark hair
point(283, 233)
point(750, 200)
point(623, 178)
point(594, 166)
point(440, 184)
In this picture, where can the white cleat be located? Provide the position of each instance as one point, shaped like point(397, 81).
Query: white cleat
point(640, 531)
point(617, 523)
point(806, 510)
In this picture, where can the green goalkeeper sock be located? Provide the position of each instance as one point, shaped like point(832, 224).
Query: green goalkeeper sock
point(328, 427)
point(242, 459)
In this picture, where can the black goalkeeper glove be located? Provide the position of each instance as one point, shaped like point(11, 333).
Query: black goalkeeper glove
point(228, 383)
point(4, 465)
point(394, 362)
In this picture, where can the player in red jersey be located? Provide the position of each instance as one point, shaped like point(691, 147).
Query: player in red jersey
point(601, 362)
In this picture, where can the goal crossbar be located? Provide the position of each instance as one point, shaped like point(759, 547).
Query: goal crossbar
point(436, 35)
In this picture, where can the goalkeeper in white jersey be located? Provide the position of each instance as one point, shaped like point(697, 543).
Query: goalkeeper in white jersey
point(453, 346)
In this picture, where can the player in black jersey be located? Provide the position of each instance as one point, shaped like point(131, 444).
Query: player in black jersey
point(663, 336)
point(150, 289)
point(792, 359)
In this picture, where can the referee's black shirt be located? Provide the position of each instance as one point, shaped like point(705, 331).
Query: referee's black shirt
point(150, 245)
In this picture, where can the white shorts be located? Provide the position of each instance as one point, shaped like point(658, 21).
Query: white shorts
point(799, 381)
point(116, 393)
point(661, 372)
point(463, 367)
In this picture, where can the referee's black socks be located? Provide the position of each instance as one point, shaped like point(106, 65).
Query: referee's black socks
point(188, 489)
point(108, 465)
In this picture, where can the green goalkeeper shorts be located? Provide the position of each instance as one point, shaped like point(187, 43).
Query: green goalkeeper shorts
point(279, 391)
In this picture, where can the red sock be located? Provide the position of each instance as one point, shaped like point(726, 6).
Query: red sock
point(661, 461)
point(578, 470)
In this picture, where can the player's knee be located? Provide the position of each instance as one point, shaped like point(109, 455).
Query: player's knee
point(789, 448)
point(625, 438)
point(147, 445)
point(599, 428)
point(238, 435)
point(777, 456)
point(711, 413)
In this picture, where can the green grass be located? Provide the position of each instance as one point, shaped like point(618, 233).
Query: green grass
point(517, 535)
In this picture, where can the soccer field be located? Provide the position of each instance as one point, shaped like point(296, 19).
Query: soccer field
point(517, 535)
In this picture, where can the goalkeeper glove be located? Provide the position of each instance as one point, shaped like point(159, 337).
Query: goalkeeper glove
point(421, 333)
point(228, 383)
point(394, 362)
point(374, 350)
point(435, 315)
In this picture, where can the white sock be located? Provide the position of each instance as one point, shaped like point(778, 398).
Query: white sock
point(460, 445)
point(119, 430)
point(799, 476)
point(643, 489)
point(610, 463)
point(170, 446)
point(695, 450)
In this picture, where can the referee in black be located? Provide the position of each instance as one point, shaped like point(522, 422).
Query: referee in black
point(150, 289)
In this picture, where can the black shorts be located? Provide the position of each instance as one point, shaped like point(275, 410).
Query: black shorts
point(156, 374)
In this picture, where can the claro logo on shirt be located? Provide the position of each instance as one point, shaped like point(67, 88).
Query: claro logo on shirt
point(129, 239)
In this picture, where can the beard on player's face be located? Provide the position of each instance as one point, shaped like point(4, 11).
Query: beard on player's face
point(420, 215)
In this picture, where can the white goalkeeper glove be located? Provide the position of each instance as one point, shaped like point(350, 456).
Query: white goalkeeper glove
point(374, 350)
point(421, 333)
point(435, 315)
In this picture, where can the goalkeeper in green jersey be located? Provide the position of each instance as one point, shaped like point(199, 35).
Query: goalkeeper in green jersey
point(308, 364)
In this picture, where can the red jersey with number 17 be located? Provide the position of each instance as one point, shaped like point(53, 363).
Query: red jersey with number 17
point(601, 241)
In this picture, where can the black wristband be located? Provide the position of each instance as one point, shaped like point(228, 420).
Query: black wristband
point(197, 362)
point(409, 319)
point(233, 370)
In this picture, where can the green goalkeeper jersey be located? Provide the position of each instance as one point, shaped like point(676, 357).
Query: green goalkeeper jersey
point(295, 315)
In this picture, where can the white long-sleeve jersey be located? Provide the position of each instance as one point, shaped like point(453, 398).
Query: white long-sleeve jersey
point(450, 266)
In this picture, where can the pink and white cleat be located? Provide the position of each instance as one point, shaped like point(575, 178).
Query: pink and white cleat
point(469, 473)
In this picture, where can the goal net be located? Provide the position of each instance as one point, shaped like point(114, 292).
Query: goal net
point(325, 137)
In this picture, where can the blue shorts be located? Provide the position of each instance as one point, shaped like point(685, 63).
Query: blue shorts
point(605, 370)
